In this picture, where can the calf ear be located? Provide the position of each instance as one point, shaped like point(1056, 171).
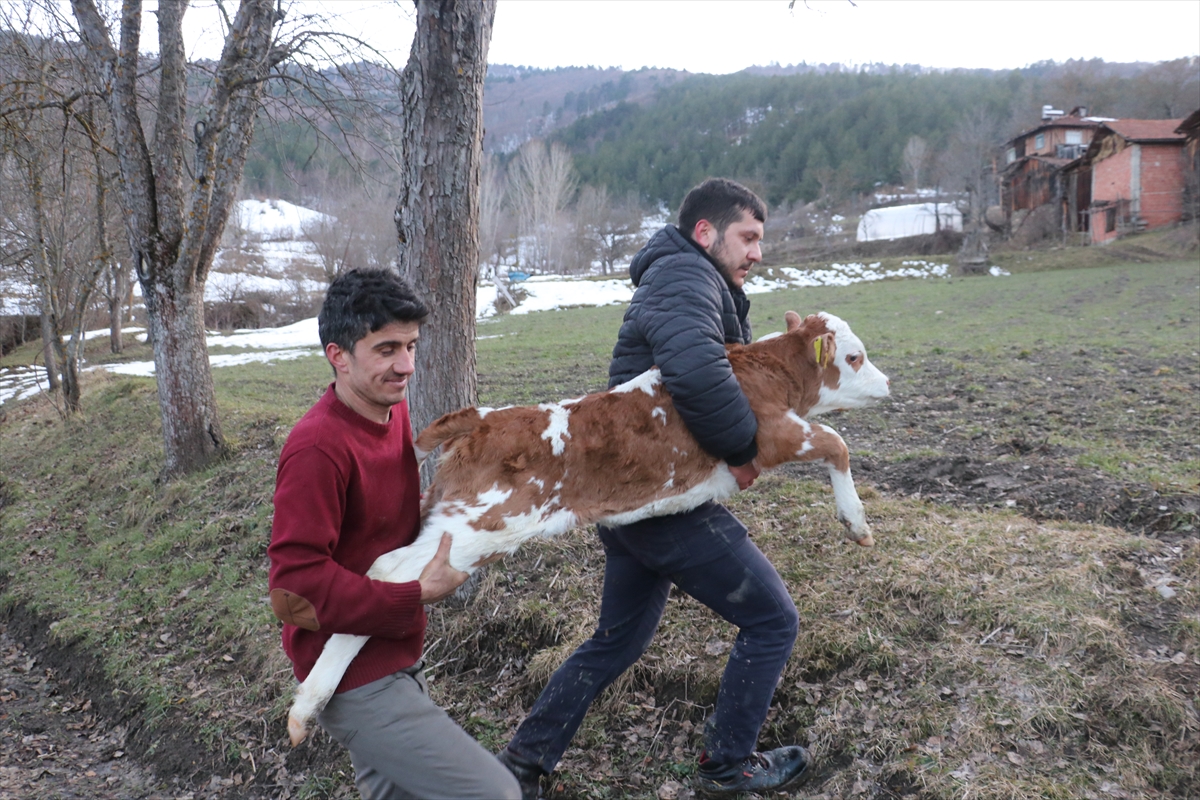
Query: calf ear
point(824, 349)
point(792, 319)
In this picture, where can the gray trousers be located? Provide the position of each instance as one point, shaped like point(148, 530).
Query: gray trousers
point(403, 746)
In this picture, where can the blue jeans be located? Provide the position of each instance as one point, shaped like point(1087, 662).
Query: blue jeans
point(706, 553)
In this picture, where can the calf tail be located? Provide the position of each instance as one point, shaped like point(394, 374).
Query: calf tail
point(446, 428)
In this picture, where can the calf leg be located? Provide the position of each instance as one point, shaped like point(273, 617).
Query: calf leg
point(470, 550)
point(829, 447)
point(315, 690)
point(788, 437)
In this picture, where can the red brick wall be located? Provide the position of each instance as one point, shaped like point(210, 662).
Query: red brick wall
point(1110, 182)
point(1161, 199)
point(1162, 184)
point(1110, 177)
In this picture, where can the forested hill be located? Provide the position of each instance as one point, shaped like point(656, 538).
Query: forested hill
point(799, 136)
point(794, 132)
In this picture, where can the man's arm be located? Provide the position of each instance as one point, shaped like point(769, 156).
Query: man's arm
point(681, 320)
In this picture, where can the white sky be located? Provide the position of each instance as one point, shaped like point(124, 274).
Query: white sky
point(722, 36)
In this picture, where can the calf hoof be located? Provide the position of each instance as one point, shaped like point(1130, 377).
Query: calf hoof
point(297, 730)
point(859, 533)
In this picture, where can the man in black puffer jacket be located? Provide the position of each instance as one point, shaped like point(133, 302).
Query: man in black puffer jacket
point(688, 305)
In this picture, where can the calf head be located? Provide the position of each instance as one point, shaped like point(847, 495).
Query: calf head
point(848, 378)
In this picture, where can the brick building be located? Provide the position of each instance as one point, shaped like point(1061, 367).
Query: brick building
point(1135, 169)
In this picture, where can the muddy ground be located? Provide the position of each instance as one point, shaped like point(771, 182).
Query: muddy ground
point(983, 436)
point(975, 436)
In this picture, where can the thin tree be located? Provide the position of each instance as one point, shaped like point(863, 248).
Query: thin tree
point(914, 156)
point(967, 160)
point(542, 182)
point(608, 230)
point(492, 197)
point(56, 176)
point(437, 211)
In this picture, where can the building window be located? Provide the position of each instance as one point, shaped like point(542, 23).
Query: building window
point(1011, 155)
point(1039, 141)
point(1110, 219)
point(1074, 137)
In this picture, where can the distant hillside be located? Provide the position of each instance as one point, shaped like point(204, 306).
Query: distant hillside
point(520, 103)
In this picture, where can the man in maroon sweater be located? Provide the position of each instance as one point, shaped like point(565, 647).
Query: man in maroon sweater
point(347, 491)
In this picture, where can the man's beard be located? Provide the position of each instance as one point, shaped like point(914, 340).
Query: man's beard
point(718, 252)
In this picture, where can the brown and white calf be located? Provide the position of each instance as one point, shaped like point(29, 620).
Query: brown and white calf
point(510, 474)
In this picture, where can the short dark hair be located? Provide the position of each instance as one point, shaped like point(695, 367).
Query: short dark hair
point(720, 201)
point(361, 301)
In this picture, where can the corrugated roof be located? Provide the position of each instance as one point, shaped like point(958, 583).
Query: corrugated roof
point(1146, 130)
point(1056, 163)
point(1067, 121)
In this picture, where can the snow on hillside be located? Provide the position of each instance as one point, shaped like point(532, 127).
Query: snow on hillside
point(17, 298)
point(274, 219)
point(272, 254)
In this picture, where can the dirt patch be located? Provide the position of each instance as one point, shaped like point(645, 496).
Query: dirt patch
point(67, 732)
point(980, 436)
point(1037, 485)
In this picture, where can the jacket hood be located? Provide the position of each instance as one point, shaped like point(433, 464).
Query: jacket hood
point(667, 242)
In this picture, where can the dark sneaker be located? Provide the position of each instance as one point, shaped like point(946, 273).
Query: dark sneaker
point(760, 772)
point(527, 774)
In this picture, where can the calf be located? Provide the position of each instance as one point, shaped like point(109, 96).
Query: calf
point(615, 457)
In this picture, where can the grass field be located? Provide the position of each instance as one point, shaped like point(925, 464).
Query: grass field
point(997, 643)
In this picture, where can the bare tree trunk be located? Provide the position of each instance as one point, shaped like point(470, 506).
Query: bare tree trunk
point(41, 266)
point(48, 348)
point(185, 384)
point(72, 355)
point(437, 212)
point(119, 287)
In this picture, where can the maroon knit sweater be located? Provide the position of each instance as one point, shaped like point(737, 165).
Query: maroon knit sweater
point(347, 491)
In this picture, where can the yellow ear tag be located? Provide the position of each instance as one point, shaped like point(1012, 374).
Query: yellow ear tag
point(817, 348)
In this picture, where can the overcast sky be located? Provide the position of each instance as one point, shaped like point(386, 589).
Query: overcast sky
point(722, 36)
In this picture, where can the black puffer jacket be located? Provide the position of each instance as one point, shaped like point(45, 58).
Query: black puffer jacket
point(681, 316)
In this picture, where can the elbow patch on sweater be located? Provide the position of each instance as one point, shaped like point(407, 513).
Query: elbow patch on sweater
point(292, 609)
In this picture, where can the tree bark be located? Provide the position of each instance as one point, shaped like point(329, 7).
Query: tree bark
point(437, 212)
point(47, 327)
point(118, 296)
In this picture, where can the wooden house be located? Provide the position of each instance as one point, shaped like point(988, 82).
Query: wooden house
point(1190, 129)
point(1031, 175)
